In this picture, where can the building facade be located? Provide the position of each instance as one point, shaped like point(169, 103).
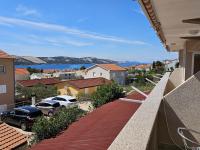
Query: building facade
point(107, 71)
point(7, 81)
point(21, 74)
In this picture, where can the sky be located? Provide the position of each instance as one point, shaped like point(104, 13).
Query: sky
point(110, 29)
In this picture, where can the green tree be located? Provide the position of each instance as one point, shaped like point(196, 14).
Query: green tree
point(82, 68)
point(106, 93)
point(34, 70)
point(40, 91)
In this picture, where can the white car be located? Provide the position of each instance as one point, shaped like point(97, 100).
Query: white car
point(64, 100)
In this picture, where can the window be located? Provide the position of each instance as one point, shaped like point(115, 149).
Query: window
point(20, 113)
point(3, 89)
point(2, 69)
point(94, 74)
point(101, 74)
point(113, 74)
point(72, 100)
point(59, 99)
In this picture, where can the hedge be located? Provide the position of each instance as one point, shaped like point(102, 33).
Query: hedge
point(106, 93)
point(49, 127)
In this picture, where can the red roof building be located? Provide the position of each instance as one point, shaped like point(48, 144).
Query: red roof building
point(86, 83)
point(46, 81)
point(5, 55)
point(10, 138)
point(21, 71)
point(96, 131)
point(112, 67)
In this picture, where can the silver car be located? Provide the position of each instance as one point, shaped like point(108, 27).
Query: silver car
point(48, 107)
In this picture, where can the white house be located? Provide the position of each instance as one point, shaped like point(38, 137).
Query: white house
point(40, 76)
point(107, 71)
point(65, 75)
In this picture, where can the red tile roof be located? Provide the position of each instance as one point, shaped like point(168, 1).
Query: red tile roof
point(112, 67)
point(5, 55)
point(10, 138)
point(21, 71)
point(96, 131)
point(137, 96)
point(47, 81)
point(143, 66)
point(91, 82)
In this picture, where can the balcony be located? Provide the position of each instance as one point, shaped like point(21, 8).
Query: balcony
point(173, 103)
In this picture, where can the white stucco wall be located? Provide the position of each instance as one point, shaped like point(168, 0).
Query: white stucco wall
point(117, 76)
point(99, 72)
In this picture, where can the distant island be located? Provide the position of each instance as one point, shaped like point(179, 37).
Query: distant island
point(30, 60)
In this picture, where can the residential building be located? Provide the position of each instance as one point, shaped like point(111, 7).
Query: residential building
point(81, 86)
point(146, 67)
point(30, 83)
point(107, 71)
point(40, 76)
point(170, 65)
point(11, 138)
point(21, 74)
point(65, 75)
point(7, 81)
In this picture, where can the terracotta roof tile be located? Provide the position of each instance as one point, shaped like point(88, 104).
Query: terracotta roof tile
point(21, 71)
point(137, 96)
point(5, 55)
point(96, 131)
point(10, 138)
point(112, 67)
point(47, 81)
point(91, 82)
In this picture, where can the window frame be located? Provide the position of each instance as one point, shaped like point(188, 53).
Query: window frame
point(4, 69)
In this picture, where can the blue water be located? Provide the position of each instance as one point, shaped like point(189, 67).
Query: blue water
point(67, 66)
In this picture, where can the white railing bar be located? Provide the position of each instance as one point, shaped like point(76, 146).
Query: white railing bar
point(150, 81)
point(131, 100)
point(139, 91)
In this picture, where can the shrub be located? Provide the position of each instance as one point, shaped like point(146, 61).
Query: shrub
point(46, 128)
point(106, 93)
point(83, 97)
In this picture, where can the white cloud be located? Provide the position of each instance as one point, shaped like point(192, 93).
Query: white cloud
point(25, 11)
point(68, 30)
point(58, 41)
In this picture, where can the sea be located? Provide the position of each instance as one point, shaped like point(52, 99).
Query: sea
point(69, 66)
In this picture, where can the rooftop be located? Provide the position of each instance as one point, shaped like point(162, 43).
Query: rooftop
point(21, 71)
point(10, 138)
point(96, 131)
point(5, 55)
point(47, 81)
point(110, 67)
point(90, 82)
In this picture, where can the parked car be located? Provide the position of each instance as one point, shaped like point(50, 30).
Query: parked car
point(64, 100)
point(23, 116)
point(48, 107)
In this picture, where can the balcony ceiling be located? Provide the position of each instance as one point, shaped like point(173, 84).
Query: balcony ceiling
point(173, 16)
